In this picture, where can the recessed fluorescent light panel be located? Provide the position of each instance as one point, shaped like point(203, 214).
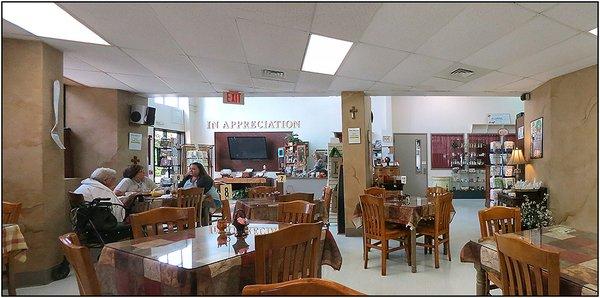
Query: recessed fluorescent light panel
point(48, 20)
point(594, 31)
point(324, 54)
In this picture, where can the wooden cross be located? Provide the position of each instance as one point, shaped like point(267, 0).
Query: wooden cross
point(353, 111)
point(135, 160)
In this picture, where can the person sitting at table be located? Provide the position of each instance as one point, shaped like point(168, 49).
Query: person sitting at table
point(135, 180)
point(100, 185)
point(198, 177)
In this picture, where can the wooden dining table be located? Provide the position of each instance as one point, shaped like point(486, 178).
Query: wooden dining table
point(266, 208)
point(192, 262)
point(578, 253)
point(408, 211)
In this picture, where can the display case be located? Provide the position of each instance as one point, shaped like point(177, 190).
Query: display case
point(167, 155)
point(500, 177)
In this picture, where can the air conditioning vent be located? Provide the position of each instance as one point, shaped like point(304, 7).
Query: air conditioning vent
point(461, 72)
point(273, 74)
point(464, 73)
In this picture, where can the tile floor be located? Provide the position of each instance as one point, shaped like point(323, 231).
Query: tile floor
point(452, 278)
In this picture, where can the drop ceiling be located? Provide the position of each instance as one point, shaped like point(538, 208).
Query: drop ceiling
point(202, 49)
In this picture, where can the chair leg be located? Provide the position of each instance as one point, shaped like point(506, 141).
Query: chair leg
point(384, 252)
point(425, 240)
point(447, 245)
point(365, 251)
point(436, 252)
point(11, 279)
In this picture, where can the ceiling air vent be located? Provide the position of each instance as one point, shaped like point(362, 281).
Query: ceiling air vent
point(273, 74)
point(461, 72)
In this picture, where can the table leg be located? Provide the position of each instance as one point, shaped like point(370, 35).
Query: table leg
point(480, 286)
point(10, 268)
point(413, 249)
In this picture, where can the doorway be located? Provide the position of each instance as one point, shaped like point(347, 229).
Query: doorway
point(411, 155)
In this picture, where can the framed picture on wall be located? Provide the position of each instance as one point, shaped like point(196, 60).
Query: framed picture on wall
point(537, 138)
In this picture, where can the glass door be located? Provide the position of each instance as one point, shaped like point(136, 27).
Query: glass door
point(167, 155)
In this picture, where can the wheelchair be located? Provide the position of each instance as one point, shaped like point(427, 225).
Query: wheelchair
point(95, 225)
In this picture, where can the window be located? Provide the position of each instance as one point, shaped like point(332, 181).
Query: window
point(172, 101)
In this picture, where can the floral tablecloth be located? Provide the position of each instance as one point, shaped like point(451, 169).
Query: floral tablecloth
point(13, 241)
point(266, 208)
point(403, 212)
point(578, 256)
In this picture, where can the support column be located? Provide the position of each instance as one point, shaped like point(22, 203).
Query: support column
point(356, 113)
point(32, 164)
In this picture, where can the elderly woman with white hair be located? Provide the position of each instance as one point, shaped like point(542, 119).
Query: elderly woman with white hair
point(100, 185)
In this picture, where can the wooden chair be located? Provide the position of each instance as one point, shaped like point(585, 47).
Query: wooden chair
point(262, 191)
point(435, 191)
point(498, 219)
point(375, 228)
point(295, 212)
point(191, 197)
point(439, 227)
point(296, 196)
point(223, 213)
point(11, 212)
point(75, 199)
point(288, 254)
point(301, 287)
point(527, 269)
point(162, 220)
point(375, 191)
point(327, 193)
point(79, 257)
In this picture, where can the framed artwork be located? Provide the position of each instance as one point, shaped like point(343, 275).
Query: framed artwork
point(300, 155)
point(537, 138)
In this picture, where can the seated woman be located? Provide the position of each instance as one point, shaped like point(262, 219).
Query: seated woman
point(100, 185)
point(197, 177)
point(135, 180)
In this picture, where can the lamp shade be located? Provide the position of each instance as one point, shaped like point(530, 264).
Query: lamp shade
point(517, 158)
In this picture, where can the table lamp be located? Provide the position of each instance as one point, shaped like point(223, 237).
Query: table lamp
point(517, 159)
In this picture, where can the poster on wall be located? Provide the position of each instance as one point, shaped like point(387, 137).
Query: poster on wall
point(354, 135)
point(521, 132)
point(135, 141)
point(537, 137)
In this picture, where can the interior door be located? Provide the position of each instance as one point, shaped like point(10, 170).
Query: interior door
point(411, 155)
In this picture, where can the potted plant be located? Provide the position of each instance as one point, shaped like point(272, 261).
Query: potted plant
point(293, 139)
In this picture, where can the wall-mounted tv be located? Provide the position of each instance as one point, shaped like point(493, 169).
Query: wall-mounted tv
point(247, 148)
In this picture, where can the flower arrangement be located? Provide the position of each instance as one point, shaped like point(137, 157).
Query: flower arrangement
point(536, 214)
point(293, 139)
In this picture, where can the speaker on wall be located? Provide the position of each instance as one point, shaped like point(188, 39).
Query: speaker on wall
point(137, 114)
point(150, 115)
point(525, 96)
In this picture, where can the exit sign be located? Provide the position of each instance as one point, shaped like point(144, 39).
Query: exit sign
point(233, 97)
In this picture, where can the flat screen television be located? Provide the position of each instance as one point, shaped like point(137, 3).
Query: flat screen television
point(247, 148)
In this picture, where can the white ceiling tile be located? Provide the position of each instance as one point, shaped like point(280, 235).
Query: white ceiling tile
point(349, 84)
point(273, 85)
point(312, 82)
point(531, 38)
point(188, 85)
point(166, 65)
point(488, 82)
point(583, 16)
point(415, 69)
point(406, 26)
point(70, 62)
point(95, 79)
point(438, 84)
point(370, 62)
point(232, 87)
point(564, 69)
point(143, 30)
point(566, 52)
point(385, 87)
point(475, 27)
point(200, 30)
point(219, 71)
point(342, 20)
point(106, 58)
point(271, 45)
point(537, 6)
point(143, 83)
point(292, 15)
point(524, 85)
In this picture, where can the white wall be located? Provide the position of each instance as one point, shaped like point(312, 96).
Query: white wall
point(318, 116)
point(445, 114)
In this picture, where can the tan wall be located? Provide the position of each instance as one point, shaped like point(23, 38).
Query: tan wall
point(569, 105)
point(357, 171)
point(99, 120)
point(32, 164)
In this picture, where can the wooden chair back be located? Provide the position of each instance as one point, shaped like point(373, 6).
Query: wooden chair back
point(499, 219)
point(373, 216)
point(443, 211)
point(262, 191)
point(435, 191)
point(191, 197)
point(226, 209)
point(11, 212)
point(79, 257)
point(327, 193)
point(527, 269)
point(375, 191)
point(288, 254)
point(295, 212)
point(75, 199)
point(301, 287)
point(162, 220)
point(297, 196)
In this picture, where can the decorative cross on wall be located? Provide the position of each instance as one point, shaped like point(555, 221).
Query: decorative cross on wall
point(135, 160)
point(353, 111)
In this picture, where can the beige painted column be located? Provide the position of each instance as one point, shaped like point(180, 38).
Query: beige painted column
point(356, 113)
point(32, 164)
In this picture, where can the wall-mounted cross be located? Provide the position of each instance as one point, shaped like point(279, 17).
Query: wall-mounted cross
point(353, 111)
point(135, 160)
